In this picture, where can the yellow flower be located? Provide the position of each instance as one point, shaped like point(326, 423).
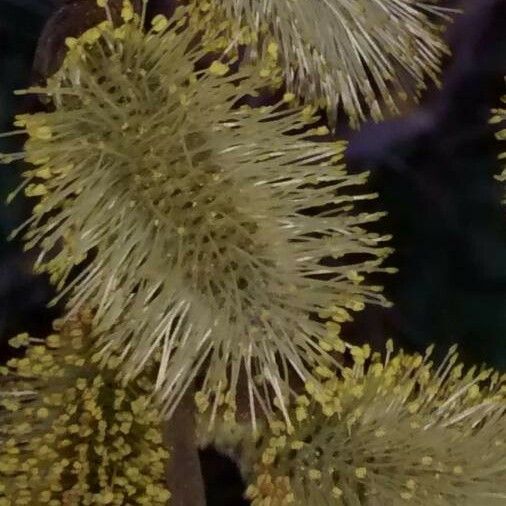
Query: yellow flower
point(362, 55)
point(499, 118)
point(61, 443)
point(213, 231)
point(448, 452)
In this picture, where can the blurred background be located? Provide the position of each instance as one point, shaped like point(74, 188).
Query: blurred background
point(434, 171)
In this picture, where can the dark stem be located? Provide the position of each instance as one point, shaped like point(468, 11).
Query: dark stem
point(184, 475)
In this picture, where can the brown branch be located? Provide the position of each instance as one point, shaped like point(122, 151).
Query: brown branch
point(184, 476)
point(70, 19)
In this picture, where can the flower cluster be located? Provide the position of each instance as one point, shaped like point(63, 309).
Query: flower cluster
point(213, 233)
point(386, 431)
point(219, 244)
point(499, 118)
point(70, 434)
point(364, 55)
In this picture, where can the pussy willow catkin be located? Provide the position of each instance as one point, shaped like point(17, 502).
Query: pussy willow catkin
point(70, 433)
point(499, 118)
point(368, 56)
point(213, 233)
point(390, 430)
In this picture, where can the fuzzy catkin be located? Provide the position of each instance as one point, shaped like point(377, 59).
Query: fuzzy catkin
point(499, 118)
point(214, 233)
point(366, 56)
point(70, 434)
point(385, 432)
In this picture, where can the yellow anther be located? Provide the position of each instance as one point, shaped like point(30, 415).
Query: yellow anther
point(218, 68)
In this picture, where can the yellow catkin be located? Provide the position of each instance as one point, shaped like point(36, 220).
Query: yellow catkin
point(416, 433)
point(77, 437)
point(347, 55)
point(190, 210)
point(499, 119)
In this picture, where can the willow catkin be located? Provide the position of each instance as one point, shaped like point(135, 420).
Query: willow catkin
point(368, 56)
point(213, 233)
point(70, 434)
point(390, 430)
point(499, 118)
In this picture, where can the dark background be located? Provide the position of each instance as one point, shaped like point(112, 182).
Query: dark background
point(433, 169)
